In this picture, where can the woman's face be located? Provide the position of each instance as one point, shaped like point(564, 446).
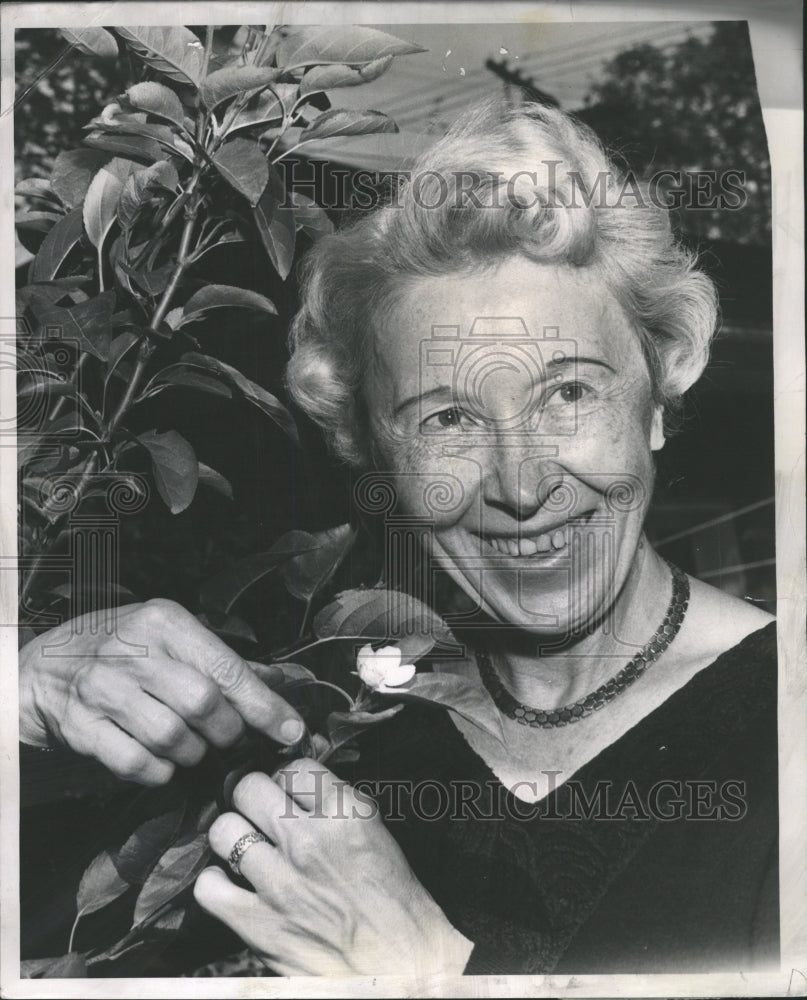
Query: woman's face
point(513, 408)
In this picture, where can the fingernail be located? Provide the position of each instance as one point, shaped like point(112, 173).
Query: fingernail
point(292, 730)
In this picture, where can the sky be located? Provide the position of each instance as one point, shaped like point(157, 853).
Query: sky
point(425, 91)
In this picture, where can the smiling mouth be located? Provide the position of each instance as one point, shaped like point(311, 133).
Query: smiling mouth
point(526, 545)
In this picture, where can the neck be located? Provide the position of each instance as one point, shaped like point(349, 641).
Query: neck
point(546, 672)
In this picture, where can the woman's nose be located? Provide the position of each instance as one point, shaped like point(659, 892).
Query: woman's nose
point(514, 478)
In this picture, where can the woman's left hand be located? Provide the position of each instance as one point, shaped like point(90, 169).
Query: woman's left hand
point(334, 894)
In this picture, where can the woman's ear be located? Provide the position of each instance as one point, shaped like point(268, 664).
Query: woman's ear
point(657, 438)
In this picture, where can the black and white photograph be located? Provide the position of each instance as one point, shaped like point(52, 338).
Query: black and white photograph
point(402, 447)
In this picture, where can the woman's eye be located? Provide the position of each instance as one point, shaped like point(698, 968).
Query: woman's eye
point(570, 392)
point(446, 419)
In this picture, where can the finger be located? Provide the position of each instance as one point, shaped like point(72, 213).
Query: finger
point(123, 755)
point(259, 861)
point(263, 802)
point(236, 907)
point(253, 920)
point(144, 718)
point(255, 923)
point(160, 730)
point(195, 698)
point(312, 786)
point(190, 642)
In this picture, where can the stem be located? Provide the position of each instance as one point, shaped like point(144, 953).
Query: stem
point(135, 934)
point(335, 687)
point(208, 49)
point(306, 615)
point(288, 121)
point(183, 261)
point(286, 654)
point(291, 149)
point(73, 930)
point(62, 400)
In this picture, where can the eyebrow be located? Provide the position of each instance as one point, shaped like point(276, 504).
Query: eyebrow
point(446, 390)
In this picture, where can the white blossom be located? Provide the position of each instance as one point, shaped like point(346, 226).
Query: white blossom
point(383, 667)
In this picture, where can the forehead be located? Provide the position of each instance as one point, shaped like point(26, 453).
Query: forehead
point(516, 299)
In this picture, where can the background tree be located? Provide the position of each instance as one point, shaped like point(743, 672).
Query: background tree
point(692, 107)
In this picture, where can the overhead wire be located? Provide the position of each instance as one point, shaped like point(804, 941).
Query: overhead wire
point(414, 100)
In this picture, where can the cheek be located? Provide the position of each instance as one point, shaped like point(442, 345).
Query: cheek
point(614, 432)
point(428, 483)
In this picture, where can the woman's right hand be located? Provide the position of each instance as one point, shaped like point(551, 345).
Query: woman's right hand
point(141, 715)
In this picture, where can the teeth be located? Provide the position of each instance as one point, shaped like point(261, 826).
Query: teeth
point(537, 543)
point(528, 546)
point(558, 538)
point(544, 543)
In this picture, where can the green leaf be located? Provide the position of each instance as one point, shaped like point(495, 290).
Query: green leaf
point(192, 378)
point(242, 164)
point(385, 615)
point(175, 52)
point(70, 966)
point(345, 726)
point(352, 44)
point(72, 172)
point(265, 107)
point(251, 391)
point(340, 121)
point(233, 80)
point(327, 77)
point(229, 625)
point(100, 884)
point(138, 185)
point(176, 470)
point(38, 221)
point(157, 99)
point(155, 141)
point(280, 675)
point(57, 245)
point(309, 217)
point(140, 853)
point(88, 323)
point(174, 317)
point(101, 202)
point(221, 297)
point(36, 187)
point(173, 874)
point(461, 695)
point(307, 573)
point(92, 41)
point(129, 145)
point(276, 225)
point(222, 591)
point(171, 920)
point(31, 240)
point(42, 296)
point(152, 281)
point(215, 480)
point(220, 242)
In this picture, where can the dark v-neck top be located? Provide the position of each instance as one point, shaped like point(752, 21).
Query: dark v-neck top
point(658, 855)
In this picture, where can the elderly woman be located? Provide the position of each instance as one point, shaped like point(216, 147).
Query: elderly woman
point(519, 327)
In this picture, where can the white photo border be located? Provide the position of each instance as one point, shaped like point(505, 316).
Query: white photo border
point(776, 45)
